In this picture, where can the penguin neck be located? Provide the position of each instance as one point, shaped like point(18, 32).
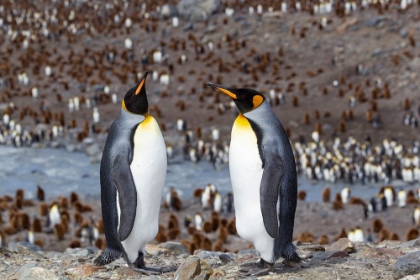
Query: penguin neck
point(127, 115)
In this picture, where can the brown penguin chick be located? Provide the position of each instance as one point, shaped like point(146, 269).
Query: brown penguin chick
point(39, 243)
point(406, 104)
point(176, 202)
point(65, 223)
point(75, 243)
point(20, 193)
point(36, 225)
point(189, 245)
point(100, 226)
point(342, 126)
point(19, 202)
point(100, 243)
point(383, 235)
point(161, 235)
point(302, 195)
point(295, 101)
point(196, 239)
point(191, 230)
point(323, 240)
point(78, 218)
point(28, 203)
point(74, 197)
point(207, 227)
point(338, 202)
point(318, 128)
point(59, 231)
point(78, 207)
point(357, 201)
point(87, 208)
point(222, 233)
point(65, 213)
point(40, 194)
point(411, 234)
point(306, 237)
point(43, 209)
point(173, 233)
point(394, 236)
point(231, 226)
point(173, 221)
point(206, 243)
point(197, 193)
point(64, 202)
point(218, 246)
point(215, 220)
point(317, 115)
point(24, 221)
point(377, 225)
point(342, 234)
point(326, 194)
point(306, 119)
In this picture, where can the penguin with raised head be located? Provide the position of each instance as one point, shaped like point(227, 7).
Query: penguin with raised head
point(263, 174)
point(132, 175)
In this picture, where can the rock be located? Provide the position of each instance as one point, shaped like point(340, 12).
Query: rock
point(93, 149)
point(375, 21)
point(175, 248)
point(408, 264)
point(377, 52)
point(247, 252)
point(32, 272)
point(224, 258)
point(197, 10)
point(189, 26)
point(53, 255)
point(403, 32)
point(343, 244)
point(193, 268)
point(330, 254)
point(411, 243)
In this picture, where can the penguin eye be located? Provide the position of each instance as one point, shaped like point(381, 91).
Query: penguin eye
point(256, 101)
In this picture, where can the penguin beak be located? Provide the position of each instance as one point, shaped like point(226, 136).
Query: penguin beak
point(143, 80)
point(223, 89)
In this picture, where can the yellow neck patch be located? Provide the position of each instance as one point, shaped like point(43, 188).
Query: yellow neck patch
point(241, 122)
point(123, 105)
point(257, 100)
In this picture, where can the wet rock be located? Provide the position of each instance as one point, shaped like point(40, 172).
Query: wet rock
point(225, 258)
point(375, 21)
point(343, 244)
point(193, 268)
point(32, 272)
point(197, 10)
point(93, 149)
point(175, 248)
point(408, 264)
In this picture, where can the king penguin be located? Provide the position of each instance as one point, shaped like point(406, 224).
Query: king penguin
point(263, 175)
point(132, 176)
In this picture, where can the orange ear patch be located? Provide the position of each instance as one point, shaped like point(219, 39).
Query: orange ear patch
point(257, 100)
point(139, 87)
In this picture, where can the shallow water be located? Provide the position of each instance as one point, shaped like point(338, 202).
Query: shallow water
point(60, 172)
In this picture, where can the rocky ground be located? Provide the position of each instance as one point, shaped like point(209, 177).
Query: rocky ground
point(341, 260)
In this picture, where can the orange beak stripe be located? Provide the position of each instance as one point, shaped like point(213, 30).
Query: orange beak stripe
point(227, 93)
point(139, 87)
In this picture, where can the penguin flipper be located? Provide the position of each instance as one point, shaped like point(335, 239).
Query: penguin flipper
point(127, 194)
point(269, 191)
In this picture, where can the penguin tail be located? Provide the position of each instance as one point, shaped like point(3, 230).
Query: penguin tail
point(107, 256)
point(289, 253)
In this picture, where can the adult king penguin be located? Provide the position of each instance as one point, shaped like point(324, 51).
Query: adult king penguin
point(263, 175)
point(132, 175)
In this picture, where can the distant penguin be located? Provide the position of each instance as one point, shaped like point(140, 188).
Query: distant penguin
point(54, 216)
point(198, 221)
point(206, 197)
point(358, 235)
point(132, 176)
point(384, 204)
point(389, 196)
point(228, 203)
point(402, 198)
point(263, 175)
point(345, 194)
point(217, 204)
point(416, 216)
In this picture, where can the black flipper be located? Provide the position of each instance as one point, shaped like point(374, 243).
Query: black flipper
point(127, 194)
point(269, 190)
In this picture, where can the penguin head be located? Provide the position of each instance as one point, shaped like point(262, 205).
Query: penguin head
point(135, 100)
point(245, 98)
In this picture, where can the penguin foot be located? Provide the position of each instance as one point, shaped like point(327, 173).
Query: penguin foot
point(107, 256)
point(292, 264)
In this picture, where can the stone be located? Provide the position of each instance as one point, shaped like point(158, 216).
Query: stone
point(175, 248)
point(225, 258)
point(53, 255)
point(197, 10)
point(32, 272)
point(343, 244)
point(403, 32)
point(411, 243)
point(375, 21)
point(194, 268)
point(330, 254)
point(377, 52)
point(408, 264)
point(93, 149)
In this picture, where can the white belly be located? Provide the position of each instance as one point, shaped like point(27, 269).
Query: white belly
point(149, 172)
point(246, 172)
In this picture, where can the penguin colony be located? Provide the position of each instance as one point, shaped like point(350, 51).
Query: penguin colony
point(60, 107)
